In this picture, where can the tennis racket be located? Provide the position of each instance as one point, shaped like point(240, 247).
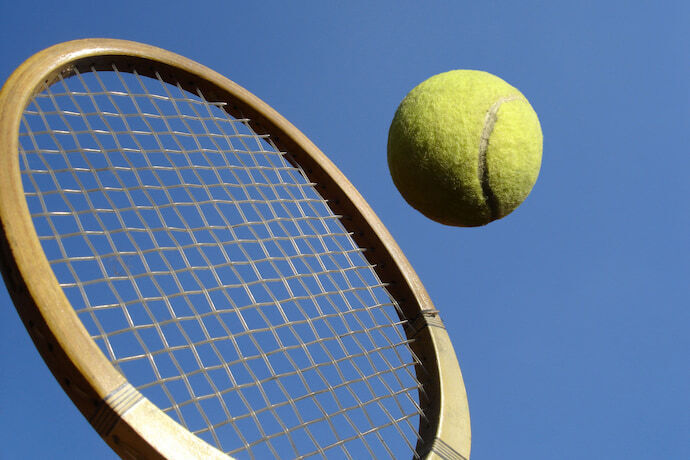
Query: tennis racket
point(201, 280)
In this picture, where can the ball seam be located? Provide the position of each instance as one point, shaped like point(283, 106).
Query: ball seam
point(490, 119)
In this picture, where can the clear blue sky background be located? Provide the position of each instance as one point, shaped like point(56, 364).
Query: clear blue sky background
point(571, 315)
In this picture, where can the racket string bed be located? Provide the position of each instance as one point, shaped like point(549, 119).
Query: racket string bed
point(212, 274)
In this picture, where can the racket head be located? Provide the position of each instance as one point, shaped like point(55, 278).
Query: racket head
point(128, 421)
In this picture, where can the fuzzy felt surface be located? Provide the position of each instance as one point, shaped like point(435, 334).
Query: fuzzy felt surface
point(464, 148)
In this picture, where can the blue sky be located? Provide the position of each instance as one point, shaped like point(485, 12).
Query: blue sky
point(570, 316)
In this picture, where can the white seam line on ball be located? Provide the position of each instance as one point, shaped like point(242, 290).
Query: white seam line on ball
point(482, 171)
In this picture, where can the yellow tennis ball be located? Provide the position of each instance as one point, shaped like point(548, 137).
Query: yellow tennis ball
point(464, 148)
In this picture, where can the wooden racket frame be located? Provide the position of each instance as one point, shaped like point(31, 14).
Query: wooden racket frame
point(131, 425)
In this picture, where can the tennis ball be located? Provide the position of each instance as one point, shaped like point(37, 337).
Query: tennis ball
point(464, 148)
